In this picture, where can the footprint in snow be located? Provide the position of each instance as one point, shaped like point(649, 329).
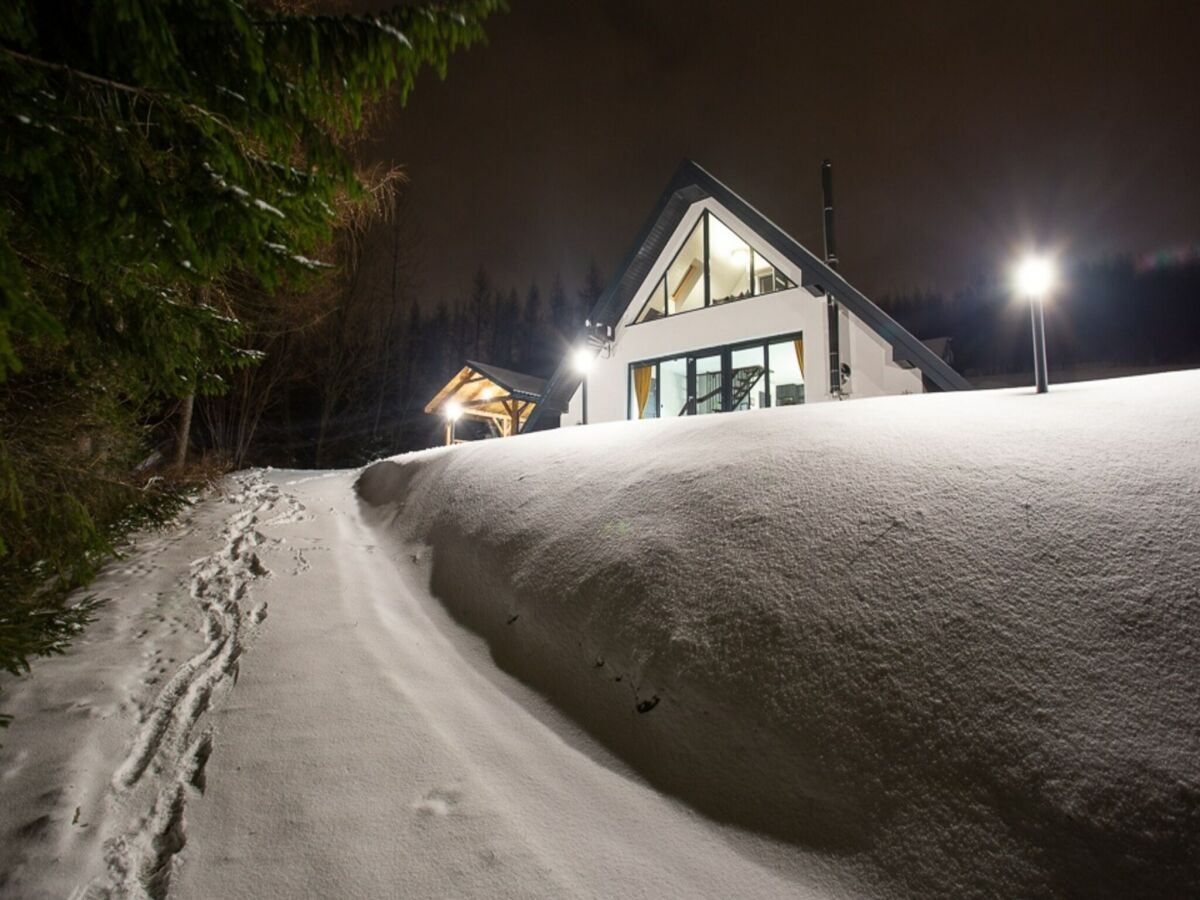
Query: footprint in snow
point(438, 802)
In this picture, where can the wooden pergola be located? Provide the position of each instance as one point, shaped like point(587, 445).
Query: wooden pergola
point(500, 397)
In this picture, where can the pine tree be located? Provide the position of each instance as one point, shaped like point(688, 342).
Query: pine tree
point(507, 311)
point(593, 287)
point(531, 330)
point(560, 312)
point(478, 308)
point(156, 155)
point(152, 147)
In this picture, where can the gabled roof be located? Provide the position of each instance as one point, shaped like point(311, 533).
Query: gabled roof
point(527, 387)
point(690, 184)
point(489, 390)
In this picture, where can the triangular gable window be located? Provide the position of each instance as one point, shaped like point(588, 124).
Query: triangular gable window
point(713, 266)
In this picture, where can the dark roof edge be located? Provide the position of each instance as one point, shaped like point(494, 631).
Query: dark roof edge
point(512, 381)
point(907, 345)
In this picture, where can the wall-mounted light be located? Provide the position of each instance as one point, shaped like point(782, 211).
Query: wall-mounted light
point(582, 359)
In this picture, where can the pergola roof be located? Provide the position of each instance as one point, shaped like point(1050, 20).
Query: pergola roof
point(483, 391)
point(516, 383)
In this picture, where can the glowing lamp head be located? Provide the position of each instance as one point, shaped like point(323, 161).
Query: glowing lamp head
point(1035, 277)
point(487, 393)
point(582, 359)
point(452, 411)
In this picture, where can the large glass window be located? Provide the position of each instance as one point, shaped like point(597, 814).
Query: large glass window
point(656, 304)
point(739, 376)
point(672, 387)
point(685, 276)
point(749, 378)
point(713, 266)
point(709, 384)
point(729, 263)
point(786, 362)
point(643, 392)
point(767, 278)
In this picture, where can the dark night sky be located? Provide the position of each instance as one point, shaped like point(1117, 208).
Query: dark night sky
point(957, 128)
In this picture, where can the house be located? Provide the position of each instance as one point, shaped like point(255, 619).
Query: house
point(715, 309)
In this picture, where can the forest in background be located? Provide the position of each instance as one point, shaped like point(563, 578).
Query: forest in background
point(346, 370)
point(1122, 312)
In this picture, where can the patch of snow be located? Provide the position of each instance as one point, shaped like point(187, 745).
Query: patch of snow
point(267, 207)
point(394, 32)
point(118, 725)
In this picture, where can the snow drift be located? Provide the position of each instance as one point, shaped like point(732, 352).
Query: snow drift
point(953, 640)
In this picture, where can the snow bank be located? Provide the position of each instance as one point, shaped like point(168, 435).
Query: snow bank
point(953, 640)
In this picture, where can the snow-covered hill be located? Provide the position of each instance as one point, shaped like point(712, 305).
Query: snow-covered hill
point(952, 641)
point(938, 646)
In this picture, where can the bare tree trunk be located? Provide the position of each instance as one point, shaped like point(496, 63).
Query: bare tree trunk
point(185, 430)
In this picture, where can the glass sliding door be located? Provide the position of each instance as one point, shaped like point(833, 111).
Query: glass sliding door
point(748, 378)
point(754, 375)
point(673, 387)
point(643, 392)
point(786, 372)
point(709, 384)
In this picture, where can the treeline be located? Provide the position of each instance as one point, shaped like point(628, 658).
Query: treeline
point(1118, 312)
point(346, 371)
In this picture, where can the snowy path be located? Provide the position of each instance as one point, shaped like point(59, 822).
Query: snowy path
point(274, 706)
point(372, 749)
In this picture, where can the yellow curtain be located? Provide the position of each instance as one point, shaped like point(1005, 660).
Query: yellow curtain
point(641, 386)
point(799, 342)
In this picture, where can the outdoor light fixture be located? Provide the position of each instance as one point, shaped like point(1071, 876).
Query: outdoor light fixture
point(487, 393)
point(583, 357)
point(452, 411)
point(1034, 278)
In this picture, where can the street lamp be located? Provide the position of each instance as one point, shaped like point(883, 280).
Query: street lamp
point(452, 411)
point(1035, 277)
point(583, 357)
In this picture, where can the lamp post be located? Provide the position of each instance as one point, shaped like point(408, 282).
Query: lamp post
point(1035, 277)
point(452, 411)
point(583, 359)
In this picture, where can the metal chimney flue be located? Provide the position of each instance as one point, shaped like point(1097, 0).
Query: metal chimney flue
point(831, 259)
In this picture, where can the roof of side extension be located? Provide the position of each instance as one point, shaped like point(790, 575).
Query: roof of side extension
point(690, 184)
point(517, 383)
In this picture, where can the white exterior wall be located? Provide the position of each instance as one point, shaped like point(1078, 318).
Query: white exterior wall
point(784, 312)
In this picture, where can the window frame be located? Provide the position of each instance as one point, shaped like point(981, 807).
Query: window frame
point(707, 275)
point(725, 351)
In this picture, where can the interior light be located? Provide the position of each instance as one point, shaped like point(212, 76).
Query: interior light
point(452, 410)
point(487, 393)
